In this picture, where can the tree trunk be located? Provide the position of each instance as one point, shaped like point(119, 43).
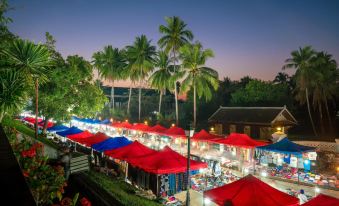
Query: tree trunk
point(140, 101)
point(309, 113)
point(160, 98)
point(2, 114)
point(129, 99)
point(176, 93)
point(45, 126)
point(36, 107)
point(321, 119)
point(194, 105)
point(328, 115)
point(112, 96)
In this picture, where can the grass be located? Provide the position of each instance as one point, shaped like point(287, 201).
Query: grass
point(120, 190)
point(9, 122)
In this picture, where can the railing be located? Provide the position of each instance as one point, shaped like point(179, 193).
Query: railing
point(324, 146)
point(79, 164)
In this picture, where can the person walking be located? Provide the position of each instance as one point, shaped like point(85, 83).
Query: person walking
point(302, 197)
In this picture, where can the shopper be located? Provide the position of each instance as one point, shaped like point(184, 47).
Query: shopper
point(302, 197)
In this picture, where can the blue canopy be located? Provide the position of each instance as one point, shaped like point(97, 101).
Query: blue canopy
point(87, 120)
point(72, 130)
point(106, 121)
point(111, 143)
point(57, 128)
point(287, 147)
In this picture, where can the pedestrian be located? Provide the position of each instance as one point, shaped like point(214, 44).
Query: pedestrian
point(302, 197)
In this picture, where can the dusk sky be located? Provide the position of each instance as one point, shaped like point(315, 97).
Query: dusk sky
point(248, 37)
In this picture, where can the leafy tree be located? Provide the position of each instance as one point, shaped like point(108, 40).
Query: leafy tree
point(175, 35)
point(32, 61)
point(5, 35)
point(161, 79)
point(141, 55)
point(301, 61)
point(203, 79)
point(261, 93)
point(110, 63)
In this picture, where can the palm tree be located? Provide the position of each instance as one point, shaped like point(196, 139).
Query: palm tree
point(12, 91)
point(161, 78)
point(281, 78)
point(203, 79)
point(110, 63)
point(141, 55)
point(301, 61)
point(32, 61)
point(174, 36)
point(325, 87)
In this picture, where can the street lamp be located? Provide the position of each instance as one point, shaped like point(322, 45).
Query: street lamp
point(189, 134)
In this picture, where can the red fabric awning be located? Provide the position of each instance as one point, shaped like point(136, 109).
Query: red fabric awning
point(89, 141)
point(175, 132)
point(165, 161)
point(133, 150)
point(250, 191)
point(49, 124)
point(123, 125)
point(322, 200)
point(157, 129)
point(203, 135)
point(80, 135)
point(240, 140)
point(140, 127)
point(31, 120)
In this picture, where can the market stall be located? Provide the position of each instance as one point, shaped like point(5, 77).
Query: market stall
point(287, 159)
point(322, 200)
point(111, 143)
point(249, 191)
point(57, 128)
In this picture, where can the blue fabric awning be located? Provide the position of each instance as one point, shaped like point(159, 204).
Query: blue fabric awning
point(111, 143)
point(72, 130)
point(287, 147)
point(106, 121)
point(87, 120)
point(57, 128)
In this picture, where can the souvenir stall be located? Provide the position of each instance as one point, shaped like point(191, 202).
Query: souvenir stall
point(72, 130)
point(287, 159)
point(164, 172)
point(248, 191)
point(154, 137)
point(122, 128)
point(137, 131)
point(238, 151)
point(111, 143)
point(51, 132)
point(322, 200)
point(178, 136)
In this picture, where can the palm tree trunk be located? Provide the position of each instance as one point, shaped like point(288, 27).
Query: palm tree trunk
point(328, 115)
point(2, 114)
point(321, 119)
point(176, 93)
point(36, 107)
point(112, 96)
point(194, 105)
point(160, 98)
point(140, 101)
point(129, 99)
point(309, 113)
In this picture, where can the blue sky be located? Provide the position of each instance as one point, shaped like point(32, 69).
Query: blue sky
point(248, 37)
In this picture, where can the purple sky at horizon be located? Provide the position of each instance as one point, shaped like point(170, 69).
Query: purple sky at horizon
point(248, 37)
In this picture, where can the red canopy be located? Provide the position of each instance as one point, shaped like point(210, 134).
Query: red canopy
point(31, 120)
point(240, 140)
point(124, 125)
point(205, 136)
point(49, 124)
point(157, 129)
point(84, 134)
point(165, 161)
point(175, 132)
point(89, 141)
point(322, 200)
point(130, 151)
point(140, 127)
point(250, 191)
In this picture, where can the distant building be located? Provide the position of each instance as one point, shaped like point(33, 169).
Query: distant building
point(257, 122)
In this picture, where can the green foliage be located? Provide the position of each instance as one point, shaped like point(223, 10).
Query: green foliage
point(120, 190)
point(13, 92)
point(261, 93)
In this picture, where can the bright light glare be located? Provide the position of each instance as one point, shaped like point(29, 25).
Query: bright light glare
point(264, 174)
point(317, 190)
point(207, 201)
point(246, 170)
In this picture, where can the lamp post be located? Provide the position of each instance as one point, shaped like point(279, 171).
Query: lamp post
point(189, 135)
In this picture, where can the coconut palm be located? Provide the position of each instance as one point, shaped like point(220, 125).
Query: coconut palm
point(301, 61)
point(12, 91)
point(110, 64)
point(161, 79)
point(203, 79)
point(141, 56)
point(32, 61)
point(175, 35)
